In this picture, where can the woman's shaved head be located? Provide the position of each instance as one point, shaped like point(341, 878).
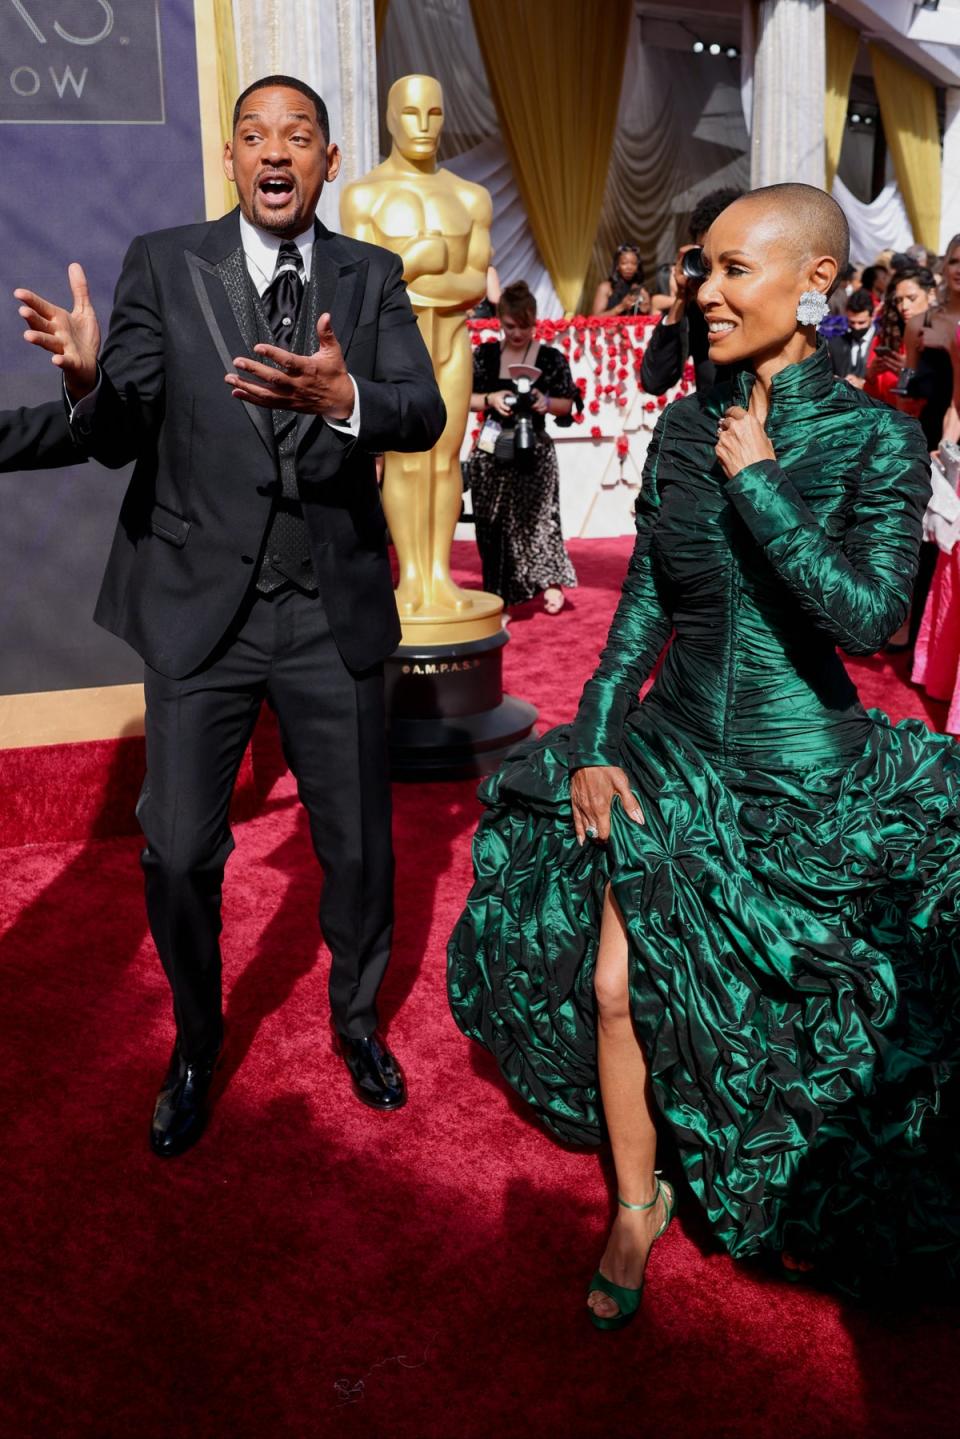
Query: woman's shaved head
point(809, 220)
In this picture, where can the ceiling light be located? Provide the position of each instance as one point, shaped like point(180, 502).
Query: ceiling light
point(732, 52)
point(854, 118)
point(714, 49)
point(698, 47)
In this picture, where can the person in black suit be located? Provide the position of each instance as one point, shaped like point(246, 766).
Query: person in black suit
point(254, 366)
point(850, 351)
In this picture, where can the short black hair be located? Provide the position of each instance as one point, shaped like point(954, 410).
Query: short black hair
point(287, 82)
point(846, 273)
point(708, 208)
point(859, 301)
point(869, 275)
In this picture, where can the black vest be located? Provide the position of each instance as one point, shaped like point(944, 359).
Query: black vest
point(286, 551)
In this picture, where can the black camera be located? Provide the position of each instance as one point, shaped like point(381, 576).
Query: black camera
point(692, 264)
point(524, 435)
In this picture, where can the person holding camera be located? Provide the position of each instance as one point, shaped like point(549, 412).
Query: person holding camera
point(513, 475)
point(622, 292)
point(682, 331)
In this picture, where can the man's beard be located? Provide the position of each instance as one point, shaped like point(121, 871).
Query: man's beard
point(287, 219)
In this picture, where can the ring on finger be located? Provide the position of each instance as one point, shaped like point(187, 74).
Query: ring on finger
point(591, 831)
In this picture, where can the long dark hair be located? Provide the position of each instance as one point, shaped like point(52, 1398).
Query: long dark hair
point(615, 276)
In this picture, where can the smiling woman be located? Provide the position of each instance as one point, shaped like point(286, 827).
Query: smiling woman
point(737, 902)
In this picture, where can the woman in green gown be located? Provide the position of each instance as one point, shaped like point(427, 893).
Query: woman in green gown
point(736, 905)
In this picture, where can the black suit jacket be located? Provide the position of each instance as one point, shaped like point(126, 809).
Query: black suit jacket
point(195, 514)
point(667, 349)
point(841, 349)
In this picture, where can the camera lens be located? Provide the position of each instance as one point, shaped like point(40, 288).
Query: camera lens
point(692, 264)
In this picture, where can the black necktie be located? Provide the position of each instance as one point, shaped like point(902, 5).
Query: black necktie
point(281, 299)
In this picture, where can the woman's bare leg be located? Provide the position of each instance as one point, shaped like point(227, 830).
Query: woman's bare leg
point(628, 1107)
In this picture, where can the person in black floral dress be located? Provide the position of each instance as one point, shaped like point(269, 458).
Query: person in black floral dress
point(517, 510)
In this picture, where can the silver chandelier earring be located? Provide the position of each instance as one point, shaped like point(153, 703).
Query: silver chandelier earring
point(812, 308)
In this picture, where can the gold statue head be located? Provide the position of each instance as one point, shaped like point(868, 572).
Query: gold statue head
point(415, 116)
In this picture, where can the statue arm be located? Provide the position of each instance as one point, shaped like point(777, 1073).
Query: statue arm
point(468, 285)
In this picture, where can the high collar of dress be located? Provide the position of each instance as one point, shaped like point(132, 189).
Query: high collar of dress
point(807, 381)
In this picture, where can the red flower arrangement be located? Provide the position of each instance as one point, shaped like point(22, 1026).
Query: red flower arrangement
point(594, 407)
point(595, 432)
point(623, 446)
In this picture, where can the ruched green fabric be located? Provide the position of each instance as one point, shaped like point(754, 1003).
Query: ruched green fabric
point(793, 899)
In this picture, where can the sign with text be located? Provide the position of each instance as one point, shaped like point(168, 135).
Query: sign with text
point(80, 62)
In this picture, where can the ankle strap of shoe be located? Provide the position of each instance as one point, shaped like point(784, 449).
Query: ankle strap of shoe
point(658, 1191)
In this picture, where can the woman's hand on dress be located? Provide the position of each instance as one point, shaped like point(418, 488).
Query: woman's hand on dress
point(741, 441)
point(497, 401)
point(592, 792)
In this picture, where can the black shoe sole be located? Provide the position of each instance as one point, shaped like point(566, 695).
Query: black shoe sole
point(372, 1103)
point(180, 1148)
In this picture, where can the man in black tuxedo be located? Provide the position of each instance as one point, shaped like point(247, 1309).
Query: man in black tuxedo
point(850, 351)
point(254, 367)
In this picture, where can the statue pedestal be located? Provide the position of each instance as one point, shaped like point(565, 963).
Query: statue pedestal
point(448, 715)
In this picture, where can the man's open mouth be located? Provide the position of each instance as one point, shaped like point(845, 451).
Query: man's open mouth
point(275, 190)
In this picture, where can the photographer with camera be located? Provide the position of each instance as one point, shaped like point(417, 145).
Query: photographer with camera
point(513, 475)
point(622, 293)
point(683, 331)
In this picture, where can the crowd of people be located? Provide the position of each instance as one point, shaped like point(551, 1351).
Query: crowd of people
point(891, 332)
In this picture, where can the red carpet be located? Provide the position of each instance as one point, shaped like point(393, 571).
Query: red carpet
point(313, 1269)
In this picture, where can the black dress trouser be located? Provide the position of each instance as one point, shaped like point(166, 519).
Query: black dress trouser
point(333, 728)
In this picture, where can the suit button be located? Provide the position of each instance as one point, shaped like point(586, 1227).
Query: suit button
point(246, 559)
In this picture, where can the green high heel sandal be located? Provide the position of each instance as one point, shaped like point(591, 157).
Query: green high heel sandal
point(628, 1300)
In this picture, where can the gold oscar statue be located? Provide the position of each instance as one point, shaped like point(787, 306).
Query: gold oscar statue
point(440, 226)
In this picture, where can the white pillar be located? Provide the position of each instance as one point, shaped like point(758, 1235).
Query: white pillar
point(950, 171)
point(789, 94)
point(332, 46)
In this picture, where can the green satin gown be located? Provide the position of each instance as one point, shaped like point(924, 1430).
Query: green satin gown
point(793, 900)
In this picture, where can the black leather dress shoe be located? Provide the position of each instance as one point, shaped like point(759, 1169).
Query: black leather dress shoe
point(377, 1077)
point(180, 1114)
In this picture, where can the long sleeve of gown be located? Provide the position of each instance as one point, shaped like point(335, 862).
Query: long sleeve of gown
point(640, 628)
point(855, 588)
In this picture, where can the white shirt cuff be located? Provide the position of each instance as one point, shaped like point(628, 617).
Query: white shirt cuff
point(352, 423)
point(84, 406)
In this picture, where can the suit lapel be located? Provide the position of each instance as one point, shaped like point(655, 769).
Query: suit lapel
point(218, 272)
point(336, 287)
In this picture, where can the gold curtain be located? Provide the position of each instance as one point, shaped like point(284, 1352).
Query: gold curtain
point(842, 44)
point(228, 85)
point(908, 106)
point(380, 8)
point(555, 73)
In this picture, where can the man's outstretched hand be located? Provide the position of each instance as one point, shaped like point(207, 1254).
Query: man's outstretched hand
point(71, 337)
point(316, 384)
